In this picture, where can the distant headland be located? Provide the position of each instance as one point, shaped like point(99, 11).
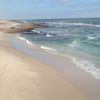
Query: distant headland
point(14, 26)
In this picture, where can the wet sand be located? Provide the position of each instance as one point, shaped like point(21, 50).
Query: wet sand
point(25, 78)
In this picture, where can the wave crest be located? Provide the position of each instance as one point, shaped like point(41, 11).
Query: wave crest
point(93, 37)
point(47, 48)
point(88, 67)
point(25, 40)
point(76, 24)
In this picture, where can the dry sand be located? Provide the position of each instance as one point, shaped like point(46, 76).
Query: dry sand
point(24, 78)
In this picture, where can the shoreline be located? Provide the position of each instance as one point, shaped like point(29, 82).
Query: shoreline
point(82, 80)
point(28, 73)
point(73, 58)
point(25, 78)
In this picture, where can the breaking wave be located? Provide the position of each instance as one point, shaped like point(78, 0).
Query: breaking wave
point(47, 48)
point(93, 37)
point(70, 24)
point(73, 44)
point(25, 40)
point(88, 66)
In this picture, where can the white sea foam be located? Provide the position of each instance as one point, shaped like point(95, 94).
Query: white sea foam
point(47, 48)
point(92, 37)
point(35, 30)
point(49, 35)
point(73, 44)
point(25, 40)
point(28, 42)
point(21, 38)
point(88, 67)
point(78, 24)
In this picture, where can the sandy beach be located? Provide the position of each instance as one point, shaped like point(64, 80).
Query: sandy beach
point(31, 73)
point(24, 78)
point(88, 85)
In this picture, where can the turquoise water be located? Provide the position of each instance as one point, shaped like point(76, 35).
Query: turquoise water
point(78, 38)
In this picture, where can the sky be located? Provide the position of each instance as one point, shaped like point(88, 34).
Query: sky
point(41, 9)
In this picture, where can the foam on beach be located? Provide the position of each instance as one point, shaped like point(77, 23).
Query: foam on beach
point(47, 48)
point(88, 67)
point(25, 40)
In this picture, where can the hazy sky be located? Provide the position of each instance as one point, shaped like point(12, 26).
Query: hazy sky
point(22, 9)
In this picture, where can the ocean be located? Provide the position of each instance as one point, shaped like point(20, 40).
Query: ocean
point(77, 38)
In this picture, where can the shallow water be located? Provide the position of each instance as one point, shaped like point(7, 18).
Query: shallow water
point(78, 38)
